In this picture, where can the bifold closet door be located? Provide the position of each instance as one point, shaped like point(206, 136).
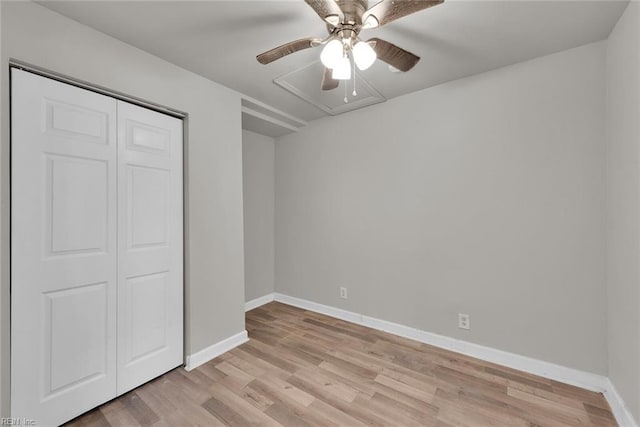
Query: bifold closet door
point(150, 291)
point(63, 249)
point(96, 248)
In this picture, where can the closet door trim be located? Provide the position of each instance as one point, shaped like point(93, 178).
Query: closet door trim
point(52, 75)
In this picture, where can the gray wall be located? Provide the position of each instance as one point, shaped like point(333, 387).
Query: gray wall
point(484, 196)
point(258, 153)
point(214, 266)
point(623, 206)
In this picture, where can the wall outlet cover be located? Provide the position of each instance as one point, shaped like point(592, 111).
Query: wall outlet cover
point(464, 322)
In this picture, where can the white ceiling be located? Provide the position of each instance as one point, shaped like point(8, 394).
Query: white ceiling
point(220, 39)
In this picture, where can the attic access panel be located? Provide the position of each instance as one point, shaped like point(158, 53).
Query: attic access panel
point(306, 83)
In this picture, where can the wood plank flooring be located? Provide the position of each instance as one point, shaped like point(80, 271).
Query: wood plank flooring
point(304, 369)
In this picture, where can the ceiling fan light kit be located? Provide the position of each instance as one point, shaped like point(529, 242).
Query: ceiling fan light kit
point(335, 56)
point(344, 20)
point(364, 55)
point(332, 53)
point(342, 69)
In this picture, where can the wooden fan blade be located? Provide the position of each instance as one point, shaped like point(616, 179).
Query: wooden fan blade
point(287, 49)
point(389, 10)
point(393, 55)
point(328, 82)
point(328, 10)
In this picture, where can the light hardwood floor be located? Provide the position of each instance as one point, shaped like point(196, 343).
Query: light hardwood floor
point(304, 369)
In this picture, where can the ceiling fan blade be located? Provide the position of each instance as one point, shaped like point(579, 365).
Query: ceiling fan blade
point(328, 10)
point(389, 10)
point(328, 82)
point(393, 55)
point(287, 49)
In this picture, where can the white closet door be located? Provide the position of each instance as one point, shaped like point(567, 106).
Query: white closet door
point(63, 259)
point(150, 290)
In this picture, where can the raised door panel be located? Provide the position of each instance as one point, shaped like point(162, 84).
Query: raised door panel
point(77, 122)
point(75, 339)
point(147, 138)
point(63, 250)
point(77, 202)
point(148, 195)
point(150, 275)
point(147, 309)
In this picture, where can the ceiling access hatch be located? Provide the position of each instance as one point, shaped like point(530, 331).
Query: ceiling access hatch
point(306, 83)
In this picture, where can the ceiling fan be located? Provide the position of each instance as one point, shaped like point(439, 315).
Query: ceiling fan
point(345, 19)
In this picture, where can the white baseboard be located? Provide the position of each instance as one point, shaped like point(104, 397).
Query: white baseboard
point(618, 407)
point(578, 378)
point(255, 303)
point(338, 313)
point(215, 350)
point(549, 370)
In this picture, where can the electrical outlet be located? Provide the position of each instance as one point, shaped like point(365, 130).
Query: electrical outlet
point(464, 322)
point(343, 292)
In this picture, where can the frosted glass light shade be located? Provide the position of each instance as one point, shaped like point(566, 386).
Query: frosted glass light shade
point(364, 55)
point(370, 22)
point(342, 69)
point(331, 54)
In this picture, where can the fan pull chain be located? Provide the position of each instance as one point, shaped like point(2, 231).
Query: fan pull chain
point(345, 92)
point(354, 93)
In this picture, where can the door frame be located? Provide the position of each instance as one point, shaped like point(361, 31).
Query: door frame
point(6, 244)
